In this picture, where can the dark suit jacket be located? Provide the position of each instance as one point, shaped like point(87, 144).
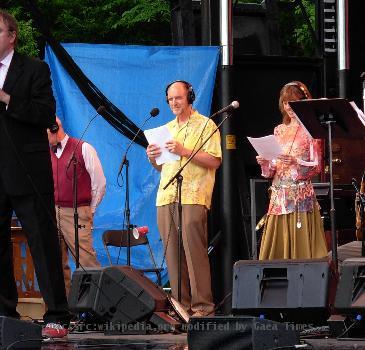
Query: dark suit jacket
point(24, 148)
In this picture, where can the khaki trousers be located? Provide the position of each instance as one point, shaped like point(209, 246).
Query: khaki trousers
point(65, 223)
point(196, 293)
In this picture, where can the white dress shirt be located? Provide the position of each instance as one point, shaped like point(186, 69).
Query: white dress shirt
point(4, 67)
point(93, 167)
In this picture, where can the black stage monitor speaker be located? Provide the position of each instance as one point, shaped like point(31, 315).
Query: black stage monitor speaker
point(286, 290)
point(115, 294)
point(350, 295)
point(239, 333)
point(27, 335)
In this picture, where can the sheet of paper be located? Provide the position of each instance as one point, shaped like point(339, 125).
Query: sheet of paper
point(159, 136)
point(266, 147)
point(359, 112)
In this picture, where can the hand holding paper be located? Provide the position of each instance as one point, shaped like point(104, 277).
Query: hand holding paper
point(267, 147)
point(159, 136)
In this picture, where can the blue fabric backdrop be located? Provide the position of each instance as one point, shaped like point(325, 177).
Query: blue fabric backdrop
point(134, 79)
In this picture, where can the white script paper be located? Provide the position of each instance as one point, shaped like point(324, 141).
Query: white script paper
point(159, 136)
point(266, 147)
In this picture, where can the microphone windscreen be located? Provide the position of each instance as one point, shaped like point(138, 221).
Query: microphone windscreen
point(154, 112)
point(235, 104)
point(101, 109)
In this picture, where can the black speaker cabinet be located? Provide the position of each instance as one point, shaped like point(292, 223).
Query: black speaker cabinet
point(27, 335)
point(115, 294)
point(350, 295)
point(290, 290)
point(239, 333)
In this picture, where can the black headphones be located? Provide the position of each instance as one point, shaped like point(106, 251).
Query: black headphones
point(189, 87)
point(54, 128)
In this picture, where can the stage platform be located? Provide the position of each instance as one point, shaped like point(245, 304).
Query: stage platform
point(334, 344)
point(98, 341)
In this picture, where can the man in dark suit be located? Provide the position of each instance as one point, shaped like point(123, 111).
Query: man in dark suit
point(27, 108)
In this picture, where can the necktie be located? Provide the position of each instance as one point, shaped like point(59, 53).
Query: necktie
point(56, 147)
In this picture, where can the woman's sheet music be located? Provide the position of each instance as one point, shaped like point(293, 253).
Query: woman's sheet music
point(266, 147)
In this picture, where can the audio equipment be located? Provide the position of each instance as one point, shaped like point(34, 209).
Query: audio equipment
point(350, 295)
point(54, 128)
point(232, 106)
point(153, 113)
point(189, 87)
point(239, 333)
point(116, 294)
point(22, 334)
point(291, 290)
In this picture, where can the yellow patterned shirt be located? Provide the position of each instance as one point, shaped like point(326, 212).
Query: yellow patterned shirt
point(198, 182)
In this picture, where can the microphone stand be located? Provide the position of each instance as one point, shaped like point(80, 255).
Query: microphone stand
point(179, 179)
point(362, 228)
point(74, 161)
point(76, 214)
point(125, 162)
point(362, 207)
point(127, 210)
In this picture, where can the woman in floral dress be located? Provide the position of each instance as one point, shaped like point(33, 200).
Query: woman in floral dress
point(293, 228)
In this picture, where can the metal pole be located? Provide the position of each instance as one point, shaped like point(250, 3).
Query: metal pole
point(76, 214)
point(127, 212)
point(179, 237)
point(342, 47)
point(363, 89)
point(227, 184)
point(226, 32)
point(332, 210)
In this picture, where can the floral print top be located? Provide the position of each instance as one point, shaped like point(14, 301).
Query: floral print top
point(291, 188)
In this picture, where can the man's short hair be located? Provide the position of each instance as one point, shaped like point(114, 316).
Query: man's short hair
point(10, 22)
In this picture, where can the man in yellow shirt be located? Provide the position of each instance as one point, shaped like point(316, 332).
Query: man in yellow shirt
point(189, 129)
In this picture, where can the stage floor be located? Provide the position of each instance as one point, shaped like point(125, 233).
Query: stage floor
point(334, 344)
point(99, 341)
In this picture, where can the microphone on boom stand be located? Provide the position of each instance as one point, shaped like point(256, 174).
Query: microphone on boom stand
point(154, 112)
point(73, 160)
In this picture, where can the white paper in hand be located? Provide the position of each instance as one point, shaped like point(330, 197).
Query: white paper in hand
point(266, 147)
point(159, 136)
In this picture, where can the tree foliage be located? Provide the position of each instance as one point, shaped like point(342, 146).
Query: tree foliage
point(95, 21)
point(145, 22)
point(28, 35)
point(296, 36)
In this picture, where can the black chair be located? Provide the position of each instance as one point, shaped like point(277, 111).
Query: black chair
point(119, 238)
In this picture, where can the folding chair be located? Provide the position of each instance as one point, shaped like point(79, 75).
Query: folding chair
point(119, 238)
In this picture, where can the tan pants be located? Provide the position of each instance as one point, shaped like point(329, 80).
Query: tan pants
point(65, 223)
point(196, 293)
